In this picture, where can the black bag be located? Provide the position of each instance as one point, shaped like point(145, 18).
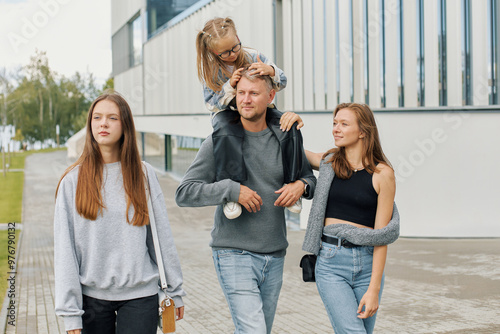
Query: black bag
point(308, 263)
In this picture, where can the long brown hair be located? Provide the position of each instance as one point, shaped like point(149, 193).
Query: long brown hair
point(372, 149)
point(88, 198)
point(208, 63)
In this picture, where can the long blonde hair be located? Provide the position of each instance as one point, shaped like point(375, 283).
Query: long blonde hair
point(372, 149)
point(208, 63)
point(88, 198)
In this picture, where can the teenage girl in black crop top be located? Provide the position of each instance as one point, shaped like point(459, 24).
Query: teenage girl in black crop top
point(350, 278)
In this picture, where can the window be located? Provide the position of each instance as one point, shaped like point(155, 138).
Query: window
point(420, 53)
point(443, 98)
point(135, 30)
point(493, 52)
point(126, 45)
point(162, 11)
point(466, 54)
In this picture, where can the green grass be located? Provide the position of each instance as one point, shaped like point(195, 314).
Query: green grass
point(11, 197)
point(15, 161)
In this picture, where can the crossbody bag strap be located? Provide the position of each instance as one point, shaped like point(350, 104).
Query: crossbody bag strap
point(154, 231)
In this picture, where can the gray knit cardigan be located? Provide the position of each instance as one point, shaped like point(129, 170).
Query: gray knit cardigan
point(358, 236)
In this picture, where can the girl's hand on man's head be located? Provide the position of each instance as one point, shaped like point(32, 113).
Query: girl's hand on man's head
point(235, 77)
point(261, 68)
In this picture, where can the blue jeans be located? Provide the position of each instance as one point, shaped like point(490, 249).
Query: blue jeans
point(342, 278)
point(251, 284)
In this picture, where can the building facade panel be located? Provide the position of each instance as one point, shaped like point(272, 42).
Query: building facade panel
point(374, 32)
point(331, 69)
point(453, 52)
point(344, 18)
point(319, 60)
point(410, 53)
point(480, 85)
point(155, 90)
point(392, 53)
point(358, 50)
point(308, 54)
point(122, 11)
point(130, 85)
point(431, 53)
point(297, 73)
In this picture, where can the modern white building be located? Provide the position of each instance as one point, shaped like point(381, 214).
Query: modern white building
point(429, 69)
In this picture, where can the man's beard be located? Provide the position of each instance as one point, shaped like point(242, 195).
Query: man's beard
point(254, 118)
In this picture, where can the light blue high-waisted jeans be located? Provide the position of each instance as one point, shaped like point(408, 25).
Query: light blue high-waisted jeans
point(342, 278)
point(251, 284)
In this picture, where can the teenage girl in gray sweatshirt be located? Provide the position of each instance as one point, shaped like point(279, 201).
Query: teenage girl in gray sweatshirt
point(106, 276)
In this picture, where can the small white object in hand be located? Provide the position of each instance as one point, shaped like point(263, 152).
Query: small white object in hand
point(232, 210)
point(297, 207)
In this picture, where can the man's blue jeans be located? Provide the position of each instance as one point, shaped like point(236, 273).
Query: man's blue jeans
point(342, 277)
point(251, 284)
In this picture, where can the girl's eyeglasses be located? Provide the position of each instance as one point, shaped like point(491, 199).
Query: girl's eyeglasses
point(227, 53)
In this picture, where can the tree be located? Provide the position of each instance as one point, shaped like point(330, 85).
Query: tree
point(42, 80)
point(6, 88)
point(19, 135)
point(108, 85)
point(39, 99)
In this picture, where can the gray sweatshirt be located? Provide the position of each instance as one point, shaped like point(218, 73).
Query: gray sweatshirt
point(260, 232)
point(109, 258)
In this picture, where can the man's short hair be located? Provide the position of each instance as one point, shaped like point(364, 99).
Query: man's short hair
point(252, 77)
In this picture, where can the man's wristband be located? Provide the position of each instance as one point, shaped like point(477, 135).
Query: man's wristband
point(306, 188)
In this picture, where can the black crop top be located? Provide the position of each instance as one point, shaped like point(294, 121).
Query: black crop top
point(353, 199)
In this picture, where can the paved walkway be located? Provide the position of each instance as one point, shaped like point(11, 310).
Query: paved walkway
point(432, 285)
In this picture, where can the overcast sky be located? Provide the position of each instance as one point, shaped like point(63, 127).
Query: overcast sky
point(76, 34)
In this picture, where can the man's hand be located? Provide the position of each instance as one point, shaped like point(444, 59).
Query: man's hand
point(261, 68)
point(249, 199)
point(290, 193)
point(75, 331)
point(288, 119)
